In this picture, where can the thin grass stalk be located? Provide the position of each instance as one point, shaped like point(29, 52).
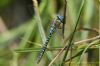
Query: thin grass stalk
point(71, 39)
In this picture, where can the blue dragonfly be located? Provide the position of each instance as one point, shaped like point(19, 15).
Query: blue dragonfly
point(56, 24)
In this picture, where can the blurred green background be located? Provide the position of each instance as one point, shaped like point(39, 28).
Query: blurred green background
point(23, 31)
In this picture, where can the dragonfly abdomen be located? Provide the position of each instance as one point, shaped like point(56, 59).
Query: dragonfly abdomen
point(52, 29)
point(46, 43)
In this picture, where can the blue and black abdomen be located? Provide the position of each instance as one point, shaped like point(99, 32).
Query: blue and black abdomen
point(52, 29)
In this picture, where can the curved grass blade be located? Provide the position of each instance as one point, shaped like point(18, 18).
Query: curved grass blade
point(71, 38)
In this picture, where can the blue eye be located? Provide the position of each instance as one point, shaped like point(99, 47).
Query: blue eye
point(60, 17)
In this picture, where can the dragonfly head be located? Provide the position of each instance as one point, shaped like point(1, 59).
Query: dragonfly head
point(59, 17)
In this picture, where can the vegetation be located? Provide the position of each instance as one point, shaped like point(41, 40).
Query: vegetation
point(21, 44)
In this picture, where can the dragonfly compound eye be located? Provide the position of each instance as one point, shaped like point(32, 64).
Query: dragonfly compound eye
point(60, 17)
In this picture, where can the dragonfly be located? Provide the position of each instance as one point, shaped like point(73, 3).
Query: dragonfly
point(56, 23)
